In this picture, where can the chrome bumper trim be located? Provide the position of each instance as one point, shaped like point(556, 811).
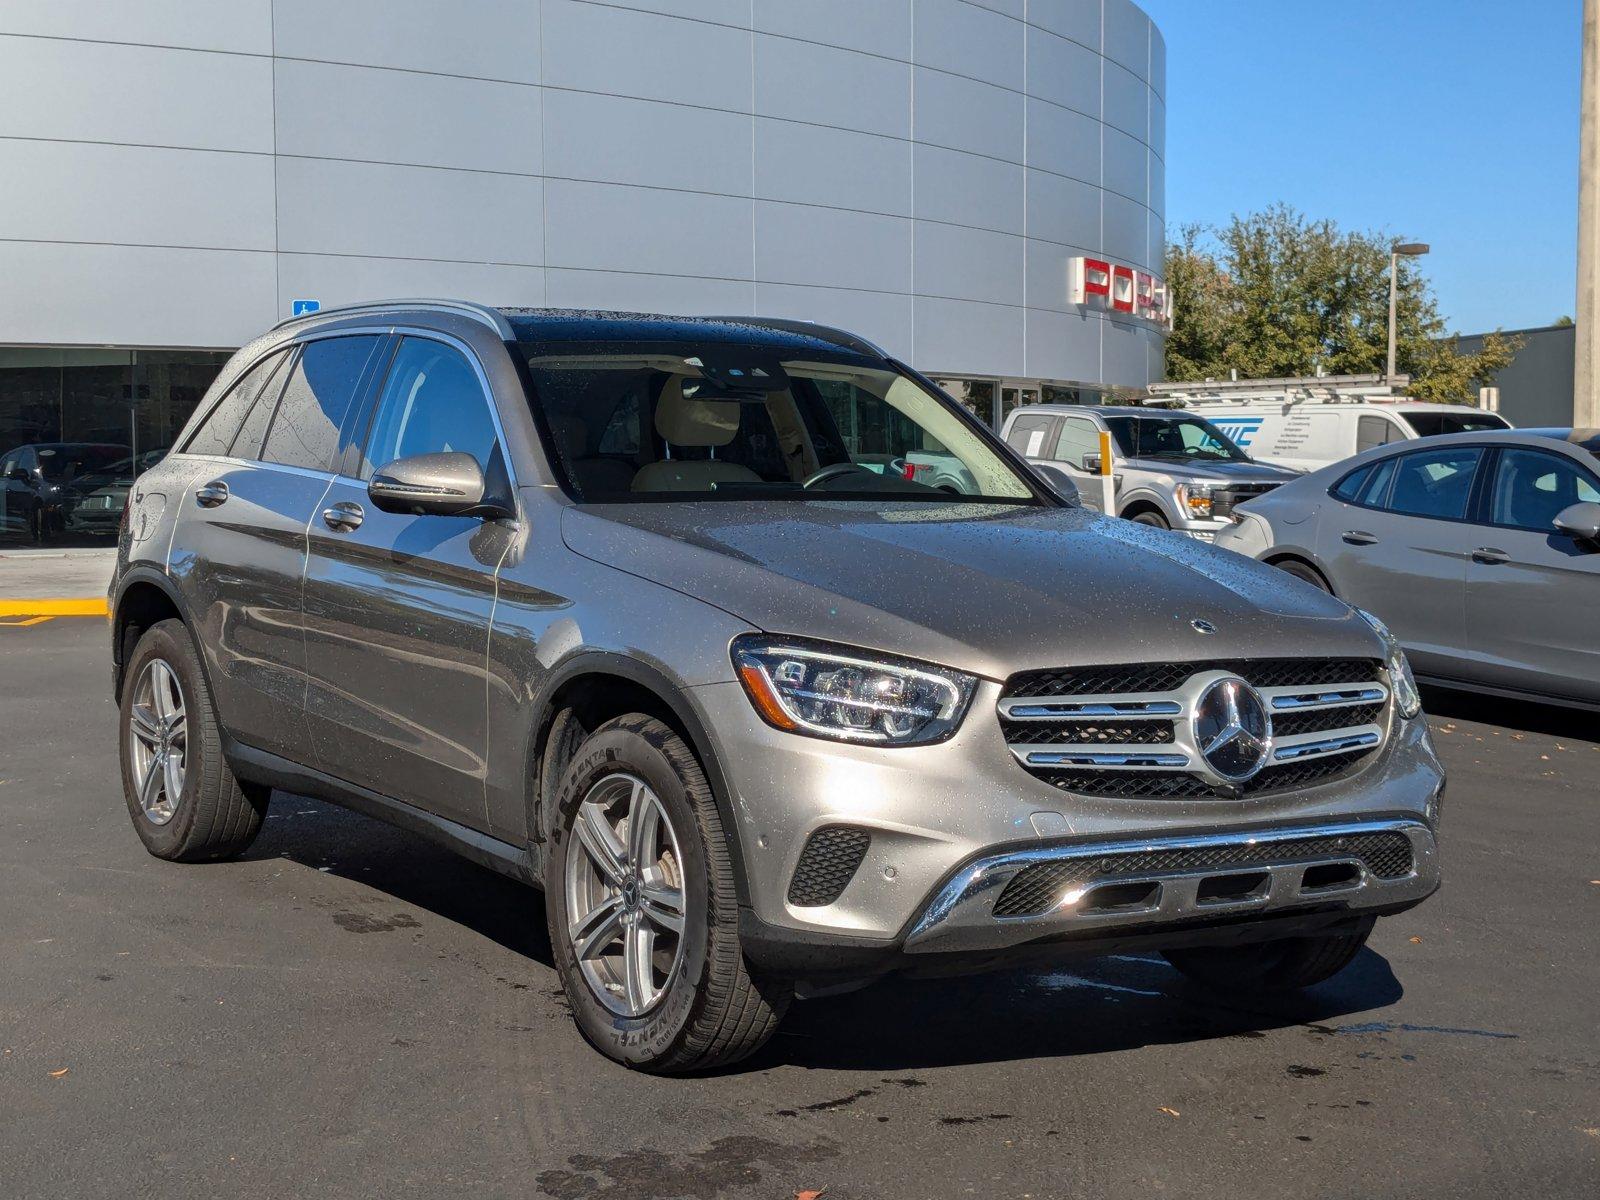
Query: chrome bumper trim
point(960, 915)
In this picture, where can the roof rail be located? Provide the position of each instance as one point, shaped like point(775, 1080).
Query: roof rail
point(482, 313)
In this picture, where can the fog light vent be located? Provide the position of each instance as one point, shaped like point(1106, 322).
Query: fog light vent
point(827, 864)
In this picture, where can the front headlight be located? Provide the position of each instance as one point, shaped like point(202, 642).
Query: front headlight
point(1403, 683)
point(1195, 499)
point(849, 695)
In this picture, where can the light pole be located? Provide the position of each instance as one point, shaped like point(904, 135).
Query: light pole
point(1410, 250)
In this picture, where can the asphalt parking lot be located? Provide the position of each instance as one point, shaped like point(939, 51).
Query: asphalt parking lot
point(352, 1011)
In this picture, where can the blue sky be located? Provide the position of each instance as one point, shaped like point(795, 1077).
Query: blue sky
point(1453, 122)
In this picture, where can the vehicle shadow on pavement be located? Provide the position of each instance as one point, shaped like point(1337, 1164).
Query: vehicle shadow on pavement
point(1089, 1006)
point(405, 867)
point(1526, 715)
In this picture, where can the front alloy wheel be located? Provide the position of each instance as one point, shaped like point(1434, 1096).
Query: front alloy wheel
point(159, 742)
point(624, 893)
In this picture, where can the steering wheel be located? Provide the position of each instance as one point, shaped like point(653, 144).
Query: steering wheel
point(832, 471)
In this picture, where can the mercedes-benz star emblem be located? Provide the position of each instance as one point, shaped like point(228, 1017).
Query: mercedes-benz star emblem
point(1232, 729)
point(1201, 625)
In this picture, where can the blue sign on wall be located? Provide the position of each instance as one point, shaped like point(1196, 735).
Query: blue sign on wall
point(299, 308)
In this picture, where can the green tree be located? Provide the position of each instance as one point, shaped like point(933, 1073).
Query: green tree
point(1274, 294)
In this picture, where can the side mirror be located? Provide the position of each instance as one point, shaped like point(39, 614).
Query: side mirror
point(1091, 463)
point(20, 475)
point(445, 485)
point(1580, 520)
point(1059, 482)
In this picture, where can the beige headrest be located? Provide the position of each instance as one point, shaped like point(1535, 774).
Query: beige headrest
point(684, 422)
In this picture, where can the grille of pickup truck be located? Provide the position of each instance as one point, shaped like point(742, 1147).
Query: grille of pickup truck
point(1038, 888)
point(1223, 499)
point(1127, 731)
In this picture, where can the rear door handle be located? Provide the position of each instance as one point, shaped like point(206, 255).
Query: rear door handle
point(211, 494)
point(1359, 537)
point(1489, 556)
point(343, 516)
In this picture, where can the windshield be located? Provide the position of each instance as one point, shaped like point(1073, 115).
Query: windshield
point(715, 422)
point(1432, 424)
point(1191, 439)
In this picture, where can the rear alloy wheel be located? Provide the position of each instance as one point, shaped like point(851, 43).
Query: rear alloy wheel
point(1303, 572)
point(159, 741)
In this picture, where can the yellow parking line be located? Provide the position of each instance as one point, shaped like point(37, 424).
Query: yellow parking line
point(24, 621)
point(91, 607)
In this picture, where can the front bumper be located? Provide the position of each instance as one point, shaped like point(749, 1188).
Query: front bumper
point(1125, 885)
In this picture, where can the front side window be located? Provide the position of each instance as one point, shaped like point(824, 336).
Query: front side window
point(1437, 483)
point(1079, 439)
point(666, 421)
point(1374, 431)
point(431, 403)
point(221, 426)
point(1531, 487)
point(316, 400)
point(1027, 436)
point(1182, 439)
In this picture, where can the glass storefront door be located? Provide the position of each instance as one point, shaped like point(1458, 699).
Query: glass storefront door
point(78, 426)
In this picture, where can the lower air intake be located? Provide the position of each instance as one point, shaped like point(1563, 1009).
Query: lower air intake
point(827, 864)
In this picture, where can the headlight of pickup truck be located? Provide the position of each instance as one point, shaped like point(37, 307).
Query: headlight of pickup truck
point(850, 695)
point(1401, 680)
point(1195, 499)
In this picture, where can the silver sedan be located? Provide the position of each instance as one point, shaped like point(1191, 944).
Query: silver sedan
point(1481, 551)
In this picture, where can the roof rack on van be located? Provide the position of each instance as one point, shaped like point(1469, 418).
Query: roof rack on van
point(493, 318)
point(1305, 389)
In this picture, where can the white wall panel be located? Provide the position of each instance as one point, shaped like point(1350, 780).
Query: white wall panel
point(484, 39)
point(630, 53)
point(965, 337)
point(1158, 63)
point(1064, 72)
point(814, 164)
point(630, 229)
point(953, 35)
point(824, 85)
point(644, 142)
point(94, 92)
point(968, 264)
point(1127, 36)
point(1063, 346)
point(242, 26)
point(133, 295)
point(968, 190)
point(1127, 168)
point(1075, 19)
point(1125, 226)
point(880, 27)
point(963, 114)
point(882, 319)
point(1063, 210)
point(366, 113)
point(646, 293)
point(797, 243)
point(333, 279)
point(327, 207)
point(1063, 141)
point(722, 12)
point(1127, 101)
point(1123, 350)
point(77, 192)
point(1047, 274)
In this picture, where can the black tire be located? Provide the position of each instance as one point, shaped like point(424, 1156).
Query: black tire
point(713, 1011)
point(215, 816)
point(1282, 966)
point(1304, 572)
point(1151, 518)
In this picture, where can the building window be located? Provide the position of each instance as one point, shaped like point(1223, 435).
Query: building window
point(105, 415)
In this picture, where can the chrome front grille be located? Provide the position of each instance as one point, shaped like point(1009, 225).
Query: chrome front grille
point(1130, 731)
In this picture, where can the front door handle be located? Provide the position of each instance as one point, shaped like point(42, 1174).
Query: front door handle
point(211, 494)
point(343, 516)
point(1359, 537)
point(1489, 556)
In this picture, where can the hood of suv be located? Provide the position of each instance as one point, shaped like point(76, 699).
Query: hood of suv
point(1221, 471)
point(988, 589)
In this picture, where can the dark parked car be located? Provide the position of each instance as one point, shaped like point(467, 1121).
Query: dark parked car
point(38, 479)
point(608, 603)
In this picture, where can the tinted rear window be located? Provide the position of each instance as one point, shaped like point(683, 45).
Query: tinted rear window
point(221, 426)
point(1468, 420)
point(316, 401)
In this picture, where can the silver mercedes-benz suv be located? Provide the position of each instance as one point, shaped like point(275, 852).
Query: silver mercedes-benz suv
point(639, 609)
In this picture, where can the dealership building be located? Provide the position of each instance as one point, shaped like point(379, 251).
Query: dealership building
point(976, 185)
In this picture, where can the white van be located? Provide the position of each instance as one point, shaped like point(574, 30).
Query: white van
point(1313, 433)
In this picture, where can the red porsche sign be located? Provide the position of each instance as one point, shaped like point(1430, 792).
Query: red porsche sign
point(1101, 283)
